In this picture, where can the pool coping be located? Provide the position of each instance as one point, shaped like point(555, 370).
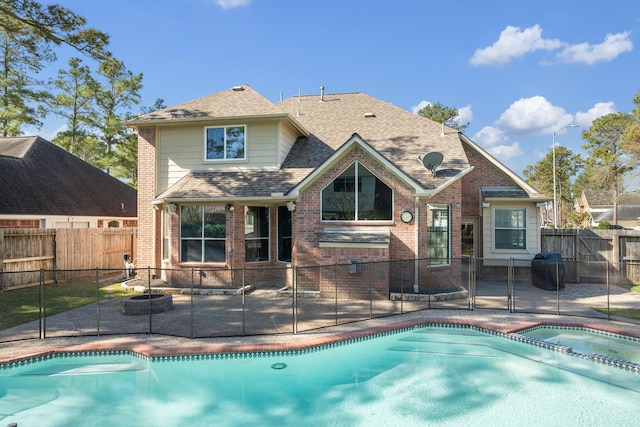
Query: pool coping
point(302, 341)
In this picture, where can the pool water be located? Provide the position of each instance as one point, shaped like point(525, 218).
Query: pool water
point(426, 376)
point(589, 341)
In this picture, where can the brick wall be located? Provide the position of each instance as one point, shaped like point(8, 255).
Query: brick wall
point(19, 223)
point(147, 215)
point(484, 174)
point(307, 229)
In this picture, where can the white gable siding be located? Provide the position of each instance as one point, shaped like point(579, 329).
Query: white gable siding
point(287, 138)
point(494, 256)
point(181, 149)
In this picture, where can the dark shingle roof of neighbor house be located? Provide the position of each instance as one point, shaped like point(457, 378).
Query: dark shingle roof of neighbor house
point(599, 197)
point(625, 213)
point(326, 122)
point(39, 178)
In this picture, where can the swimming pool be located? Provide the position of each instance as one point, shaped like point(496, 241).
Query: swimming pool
point(423, 376)
point(590, 341)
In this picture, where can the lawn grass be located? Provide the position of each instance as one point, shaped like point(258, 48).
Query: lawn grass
point(629, 313)
point(23, 305)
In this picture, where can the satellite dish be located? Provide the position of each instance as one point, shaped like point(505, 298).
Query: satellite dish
point(432, 160)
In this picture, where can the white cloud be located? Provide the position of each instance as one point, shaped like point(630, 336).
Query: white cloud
point(505, 153)
point(489, 136)
point(513, 43)
point(465, 115)
point(229, 4)
point(585, 120)
point(420, 106)
point(612, 46)
point(533, 115)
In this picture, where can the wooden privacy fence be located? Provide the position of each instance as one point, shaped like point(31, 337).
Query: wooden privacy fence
point(587, 252)
point(23, 252)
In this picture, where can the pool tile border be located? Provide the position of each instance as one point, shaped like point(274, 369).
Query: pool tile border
point(311, 344)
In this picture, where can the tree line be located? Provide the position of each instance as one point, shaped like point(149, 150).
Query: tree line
point(612, 146)
point(95, 98)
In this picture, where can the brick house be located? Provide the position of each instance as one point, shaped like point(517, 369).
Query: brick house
point(44, 186)
point(232, 180)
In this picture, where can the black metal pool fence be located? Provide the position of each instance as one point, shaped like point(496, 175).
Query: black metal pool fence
point(219, 302)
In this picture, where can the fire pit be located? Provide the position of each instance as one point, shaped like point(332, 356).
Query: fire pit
point(141, 304)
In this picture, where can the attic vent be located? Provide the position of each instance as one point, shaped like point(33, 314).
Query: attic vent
point(368, 115)
point(237, 88)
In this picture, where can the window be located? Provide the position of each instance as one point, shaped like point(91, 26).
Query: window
point(284, 234)
point(510, 228)
point(438, 235)
point(357, 195)
point(225, 143)
point(256, 234)
point(203, 232)
point(112, 224)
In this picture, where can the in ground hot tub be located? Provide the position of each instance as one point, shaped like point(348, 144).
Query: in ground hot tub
point(143, 304)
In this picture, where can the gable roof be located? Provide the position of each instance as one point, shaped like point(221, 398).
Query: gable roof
point(400, 136)
point(238, 102)
point(39, 178)
point(325, 124)
point(598, 197)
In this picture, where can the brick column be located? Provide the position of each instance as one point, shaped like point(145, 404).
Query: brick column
point(146, 194)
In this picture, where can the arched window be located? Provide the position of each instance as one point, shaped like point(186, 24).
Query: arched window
point(113, 224)
point(357, 195)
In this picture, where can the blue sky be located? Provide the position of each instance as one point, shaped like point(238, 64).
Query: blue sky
point(516, 70)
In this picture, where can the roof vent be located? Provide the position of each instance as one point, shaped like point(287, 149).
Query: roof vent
point(431, 161)
point(368, 115)
point(238, 88)
point(321, 93)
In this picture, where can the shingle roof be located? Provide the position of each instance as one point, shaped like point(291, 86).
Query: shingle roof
point(625, 213)
point(240, 101)
point(236, 184)
point(504, 193)
point(599, 197)
point(398, 135)
point(39, 178)
point(326, 122)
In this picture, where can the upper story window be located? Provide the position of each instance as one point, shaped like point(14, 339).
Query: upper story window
point(510, 228)
point(225, 143)
point(357, 195)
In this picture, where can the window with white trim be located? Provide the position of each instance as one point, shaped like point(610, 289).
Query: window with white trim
point(438, 235)
point(357, 195)
point(225, 142)
point(510, 228)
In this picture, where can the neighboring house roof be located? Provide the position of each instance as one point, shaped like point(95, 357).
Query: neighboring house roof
point(39, 178)
point(327, 124)
point(596, 198)
point(625, 213)
point(631, 198)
